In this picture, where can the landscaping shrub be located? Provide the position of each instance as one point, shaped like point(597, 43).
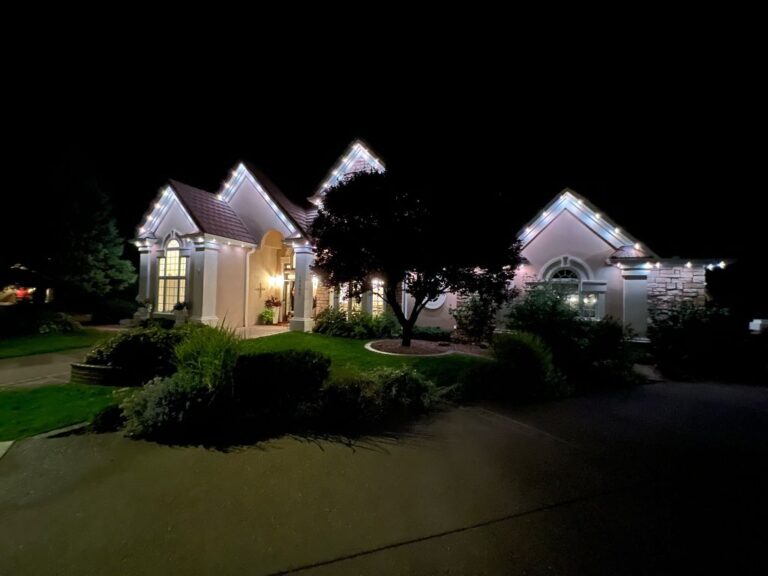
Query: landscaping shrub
point(141, 353)
point(384, 396)
point(525, 368)
point(174, 408)
point(606, 358)
point(692, 342)
point(475, 318)
point(279, 387)
point(208, 355)
point(336, 322)
point(431, 333)
point(25, 319)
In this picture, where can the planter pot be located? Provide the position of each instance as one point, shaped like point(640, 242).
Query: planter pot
point(92, 374)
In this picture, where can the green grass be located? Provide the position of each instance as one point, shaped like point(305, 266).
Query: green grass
point(28, 412)
point(349, 356)
point(42, 343)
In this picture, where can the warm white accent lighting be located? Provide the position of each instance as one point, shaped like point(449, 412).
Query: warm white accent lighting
point(597, 216)
point(658, 264)
point(688, 264)
point(648, 265)
point(545, 214)
point(710, 267)
point(616, 230)
point(619, 265)
point(637, 245)
point(721, 265)
point(200, 239)
point(581, 202)
point(528, 229)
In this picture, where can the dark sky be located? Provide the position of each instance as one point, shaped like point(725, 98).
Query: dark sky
point(666, 143)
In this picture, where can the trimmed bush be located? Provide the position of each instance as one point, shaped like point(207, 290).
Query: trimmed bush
point(280, 387)
point(336, 322)
point(431, 333)
point(141, 354)
point(475, 318)
point(525, 369)
point(384, 396)
point(695, 342)
point(176, 408)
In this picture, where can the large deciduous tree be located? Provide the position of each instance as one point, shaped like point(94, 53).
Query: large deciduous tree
point(410, 236)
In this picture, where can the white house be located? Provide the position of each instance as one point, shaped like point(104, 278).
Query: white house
point(225, 252)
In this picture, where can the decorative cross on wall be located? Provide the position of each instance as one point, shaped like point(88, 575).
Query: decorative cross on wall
point(259, 289)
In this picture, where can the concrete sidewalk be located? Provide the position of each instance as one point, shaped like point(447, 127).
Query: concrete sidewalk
point(39, 369)
point(661, 479)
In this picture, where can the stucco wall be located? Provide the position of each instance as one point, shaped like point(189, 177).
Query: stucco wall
point(230, 288)
point(265, 262)
point(440, 317)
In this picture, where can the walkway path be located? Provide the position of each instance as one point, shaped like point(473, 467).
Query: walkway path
point(39, 369)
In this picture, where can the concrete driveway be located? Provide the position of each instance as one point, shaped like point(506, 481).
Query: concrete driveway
point(661, 479)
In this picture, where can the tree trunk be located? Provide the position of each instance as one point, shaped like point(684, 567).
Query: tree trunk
point(407, 334)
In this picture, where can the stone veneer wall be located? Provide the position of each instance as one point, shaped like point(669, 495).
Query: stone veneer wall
point(672, 284)
point(323, 298)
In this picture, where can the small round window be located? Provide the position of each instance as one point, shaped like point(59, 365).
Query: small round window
point(435, 303)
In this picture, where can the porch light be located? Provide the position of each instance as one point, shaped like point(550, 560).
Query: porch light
point(275, 280)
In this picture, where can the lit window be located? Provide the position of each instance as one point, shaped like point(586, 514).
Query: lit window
point(172, 277)
point(345, 302)
point(568, 283)
point(377, 305)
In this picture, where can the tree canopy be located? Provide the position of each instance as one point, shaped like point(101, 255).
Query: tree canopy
point(374, 226)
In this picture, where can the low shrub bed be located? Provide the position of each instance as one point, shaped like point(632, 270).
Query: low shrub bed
point(27, 319)
point(336, 322)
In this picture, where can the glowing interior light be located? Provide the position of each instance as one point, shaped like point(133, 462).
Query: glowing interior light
point(722, 265)
point(688, 264)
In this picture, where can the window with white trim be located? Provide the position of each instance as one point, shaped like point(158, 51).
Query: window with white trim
point(567, 282)
point(377, 303)
point(172, 277)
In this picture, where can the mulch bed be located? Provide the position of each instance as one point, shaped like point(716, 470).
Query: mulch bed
point(426, 347)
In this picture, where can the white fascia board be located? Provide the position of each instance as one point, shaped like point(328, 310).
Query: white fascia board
point(354, 152)
point(240, 175)
point(159, 209)
point(585, 212)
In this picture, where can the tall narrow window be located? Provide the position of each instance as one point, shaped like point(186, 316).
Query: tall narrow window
point(377, 305)
point(172, 277)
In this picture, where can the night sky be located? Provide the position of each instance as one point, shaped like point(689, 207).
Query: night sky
point(668, 148)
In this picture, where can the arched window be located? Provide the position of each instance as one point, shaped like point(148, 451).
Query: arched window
point(567, 282)
point(172, 277)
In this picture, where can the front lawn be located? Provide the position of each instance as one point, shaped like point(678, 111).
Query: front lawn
point(28, 412)
point(350, 356)
point(53, 342)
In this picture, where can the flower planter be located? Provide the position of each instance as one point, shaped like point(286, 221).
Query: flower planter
point(99, 375)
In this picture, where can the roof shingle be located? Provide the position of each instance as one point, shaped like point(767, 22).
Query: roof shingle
point(212, 216)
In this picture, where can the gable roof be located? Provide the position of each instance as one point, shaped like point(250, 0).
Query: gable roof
point(357, 153)
point(589, 215)
point(297, 213)
point(211, 215)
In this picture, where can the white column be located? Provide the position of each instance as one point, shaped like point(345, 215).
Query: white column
point(635, 300)
point(302, 302)
point(205, 277)
point(145, 271)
